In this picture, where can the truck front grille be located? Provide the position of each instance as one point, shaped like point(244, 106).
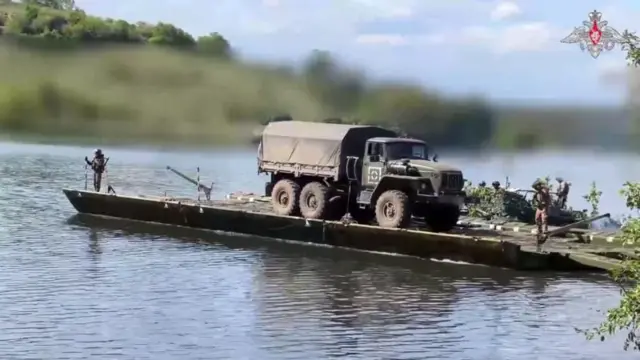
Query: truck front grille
point(452, 181)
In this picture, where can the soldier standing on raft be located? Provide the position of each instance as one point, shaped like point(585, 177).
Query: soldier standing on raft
point(542, 201)
point(563, 192)
point(98, 164)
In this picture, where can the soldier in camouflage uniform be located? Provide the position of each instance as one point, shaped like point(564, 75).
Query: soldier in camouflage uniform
point(542, 201)
point(563, 192)
point(98, 165)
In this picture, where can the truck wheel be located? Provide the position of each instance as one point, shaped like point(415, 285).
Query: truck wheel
point(441, 218)
point(284, 198)
point(314, 201)
point(393, 209)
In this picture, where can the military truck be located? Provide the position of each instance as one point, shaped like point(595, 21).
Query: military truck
point(320, 171)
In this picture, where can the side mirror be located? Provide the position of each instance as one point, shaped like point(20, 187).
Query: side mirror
point(435, 158)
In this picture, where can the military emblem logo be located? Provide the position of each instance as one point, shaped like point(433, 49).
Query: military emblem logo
point(595, 35)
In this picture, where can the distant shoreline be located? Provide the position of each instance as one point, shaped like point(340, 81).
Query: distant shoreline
point(74, 75)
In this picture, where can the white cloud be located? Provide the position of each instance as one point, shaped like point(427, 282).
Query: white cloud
point(401, 40)
point(523, 37)
point(386, 9)
point(271, 3)
point(381, 39)
point(505, 10)
point(475, 35)
point(533, 36)
point(433, 39)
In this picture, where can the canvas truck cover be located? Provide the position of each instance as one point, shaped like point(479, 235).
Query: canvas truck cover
point(313, 148)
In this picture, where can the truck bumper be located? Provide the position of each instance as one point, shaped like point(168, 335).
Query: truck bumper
point(449, 198)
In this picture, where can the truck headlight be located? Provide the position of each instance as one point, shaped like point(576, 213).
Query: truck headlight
point(423, 186)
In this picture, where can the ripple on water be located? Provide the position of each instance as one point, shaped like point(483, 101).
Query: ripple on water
point(107, 289)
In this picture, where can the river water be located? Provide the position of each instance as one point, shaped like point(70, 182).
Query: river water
point(80, 287)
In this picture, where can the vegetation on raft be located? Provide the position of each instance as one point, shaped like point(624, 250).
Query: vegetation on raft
point(489, 203)
point(74, 74)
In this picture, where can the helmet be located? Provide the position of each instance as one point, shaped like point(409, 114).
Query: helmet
point(482, 184)
point(496, 183)
point(97, 152)
point(559, 179)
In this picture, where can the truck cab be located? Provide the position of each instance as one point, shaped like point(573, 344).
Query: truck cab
point(380, 151)
point(401, 167)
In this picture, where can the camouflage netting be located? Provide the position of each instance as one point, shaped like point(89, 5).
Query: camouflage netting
point(492, 204)
point(488, 203)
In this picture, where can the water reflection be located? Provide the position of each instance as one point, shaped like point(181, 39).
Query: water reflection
point(341, 303)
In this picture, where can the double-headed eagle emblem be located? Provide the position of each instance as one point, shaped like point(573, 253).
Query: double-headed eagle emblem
point(595, 35)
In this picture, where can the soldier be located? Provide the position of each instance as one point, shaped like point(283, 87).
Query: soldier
point(541, 200)
point(482, 184)
point(98, 165)
point(563, 192)
point(496, 185)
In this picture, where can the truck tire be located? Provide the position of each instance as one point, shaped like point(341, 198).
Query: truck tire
point(393, 209)
point(284, 198)
point(314, 201)
point(442, 218)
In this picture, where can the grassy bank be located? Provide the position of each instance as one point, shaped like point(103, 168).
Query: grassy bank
point(134, 94)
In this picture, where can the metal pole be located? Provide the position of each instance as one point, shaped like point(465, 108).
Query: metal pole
point(542, 238)
point(198, 182)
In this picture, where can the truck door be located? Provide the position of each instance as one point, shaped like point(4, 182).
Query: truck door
point(372, 168)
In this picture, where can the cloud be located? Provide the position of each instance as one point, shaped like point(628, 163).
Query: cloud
point(386, 9)
point(505, 10)
point(271, 3)
point(520, 37)
point(532, 36)
point(381, 39)
point(400, 40)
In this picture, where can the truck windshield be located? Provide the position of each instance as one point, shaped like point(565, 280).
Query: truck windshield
point(406, 150)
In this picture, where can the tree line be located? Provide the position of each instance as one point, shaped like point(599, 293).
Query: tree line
point(62, 20)
point(346, 95)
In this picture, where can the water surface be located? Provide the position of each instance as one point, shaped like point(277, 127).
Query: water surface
point(78, 287)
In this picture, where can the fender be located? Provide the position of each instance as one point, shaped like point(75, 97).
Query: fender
point(408, 184)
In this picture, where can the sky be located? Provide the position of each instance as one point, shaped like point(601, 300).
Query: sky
point(506, 51)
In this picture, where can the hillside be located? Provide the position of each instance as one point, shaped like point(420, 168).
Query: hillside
point(75, 75)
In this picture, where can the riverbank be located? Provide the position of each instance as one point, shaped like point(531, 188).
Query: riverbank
point(154, 83)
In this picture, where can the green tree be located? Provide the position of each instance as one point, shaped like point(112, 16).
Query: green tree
point(214, 44)
point(167, 34)
point(626, 316)
point(341, 88)
point(65, 5)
